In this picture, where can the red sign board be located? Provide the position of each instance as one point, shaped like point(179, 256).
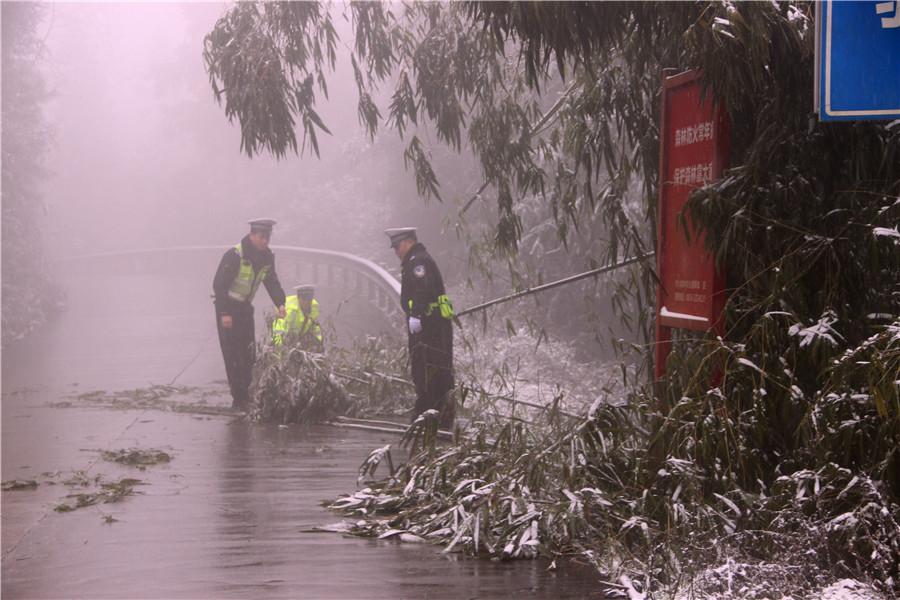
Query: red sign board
point(694, 144)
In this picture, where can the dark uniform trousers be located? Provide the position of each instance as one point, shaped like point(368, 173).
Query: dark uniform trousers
point(430, 350)
point(238, 342)
point(239, 351)
point(431, 363)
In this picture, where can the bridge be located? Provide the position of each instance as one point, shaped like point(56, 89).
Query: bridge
point(357, 296)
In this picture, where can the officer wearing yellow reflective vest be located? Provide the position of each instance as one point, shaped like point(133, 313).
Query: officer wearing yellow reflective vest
point(429, 325)
point(300, 326)
point(241, 271)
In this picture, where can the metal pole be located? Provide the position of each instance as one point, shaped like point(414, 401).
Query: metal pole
point(553, 284)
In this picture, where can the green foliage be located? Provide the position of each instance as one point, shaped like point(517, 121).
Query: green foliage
point(266, 61)
point(452, 66)
point(606, 488)
point(847, 513)
point(482, 495)
point(375, 373)
point(292, 385)
point(559, 101)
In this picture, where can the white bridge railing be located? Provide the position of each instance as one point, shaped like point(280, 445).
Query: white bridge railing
point(338, 273)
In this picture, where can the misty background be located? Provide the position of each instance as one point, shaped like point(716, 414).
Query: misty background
point(139, 155)
point(143, 156)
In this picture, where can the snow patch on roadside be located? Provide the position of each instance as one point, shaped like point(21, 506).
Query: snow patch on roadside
point(849, 589)
point(735, 580)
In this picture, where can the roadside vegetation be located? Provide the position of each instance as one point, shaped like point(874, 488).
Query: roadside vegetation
point(293, 385)
point(659, 495)
point(660, 498)
point(770, 456)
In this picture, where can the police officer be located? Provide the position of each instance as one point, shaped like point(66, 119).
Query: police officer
point(241, 271)
point(430, 327)
point(301, 324)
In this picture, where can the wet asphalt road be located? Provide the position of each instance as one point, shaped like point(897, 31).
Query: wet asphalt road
point(231, 515)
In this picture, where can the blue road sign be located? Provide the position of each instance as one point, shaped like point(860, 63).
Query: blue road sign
point(858, 60)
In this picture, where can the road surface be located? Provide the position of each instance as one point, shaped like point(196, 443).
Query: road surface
point(233, 514)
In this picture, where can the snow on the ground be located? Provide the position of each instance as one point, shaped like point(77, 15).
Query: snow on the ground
point(535, 370)
point(721, 583)
point(849, 589)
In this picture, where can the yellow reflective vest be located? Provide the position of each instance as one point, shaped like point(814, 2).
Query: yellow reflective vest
point(245, 284)
point(296, 323)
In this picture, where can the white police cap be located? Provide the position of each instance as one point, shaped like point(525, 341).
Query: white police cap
point(398, 234)
point(262, 225)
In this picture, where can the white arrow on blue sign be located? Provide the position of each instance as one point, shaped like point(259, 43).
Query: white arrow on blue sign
point(858, 60)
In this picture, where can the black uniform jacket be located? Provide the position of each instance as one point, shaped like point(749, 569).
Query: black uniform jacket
point(431, 350)
point(228, 270)
point(421, 282)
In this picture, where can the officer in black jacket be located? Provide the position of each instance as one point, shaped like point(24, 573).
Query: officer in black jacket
point(430, 327)
point(242, 269)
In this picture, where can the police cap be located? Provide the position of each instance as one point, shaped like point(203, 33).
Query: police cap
point(398, 234)
point(306, 290)
point(263, 225)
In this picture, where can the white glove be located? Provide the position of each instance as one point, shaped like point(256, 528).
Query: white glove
point(415, 325)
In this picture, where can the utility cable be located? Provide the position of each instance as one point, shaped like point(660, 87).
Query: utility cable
point(192, 361)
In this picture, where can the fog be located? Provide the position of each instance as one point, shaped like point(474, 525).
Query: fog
point(143, 156)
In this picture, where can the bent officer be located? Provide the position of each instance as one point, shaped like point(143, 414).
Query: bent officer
point(301, 323)
point(430, 327)
point(240, 272)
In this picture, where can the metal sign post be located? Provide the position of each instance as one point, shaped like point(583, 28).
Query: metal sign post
point(857, 60)
point(694, 148)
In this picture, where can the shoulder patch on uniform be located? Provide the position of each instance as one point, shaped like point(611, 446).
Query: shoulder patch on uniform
point(419, 271)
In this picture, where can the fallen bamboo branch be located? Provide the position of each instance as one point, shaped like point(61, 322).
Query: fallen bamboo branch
point(523, 402)
point(442, 433)
point(392, 378)
point(371, 421)
point(366, 427)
